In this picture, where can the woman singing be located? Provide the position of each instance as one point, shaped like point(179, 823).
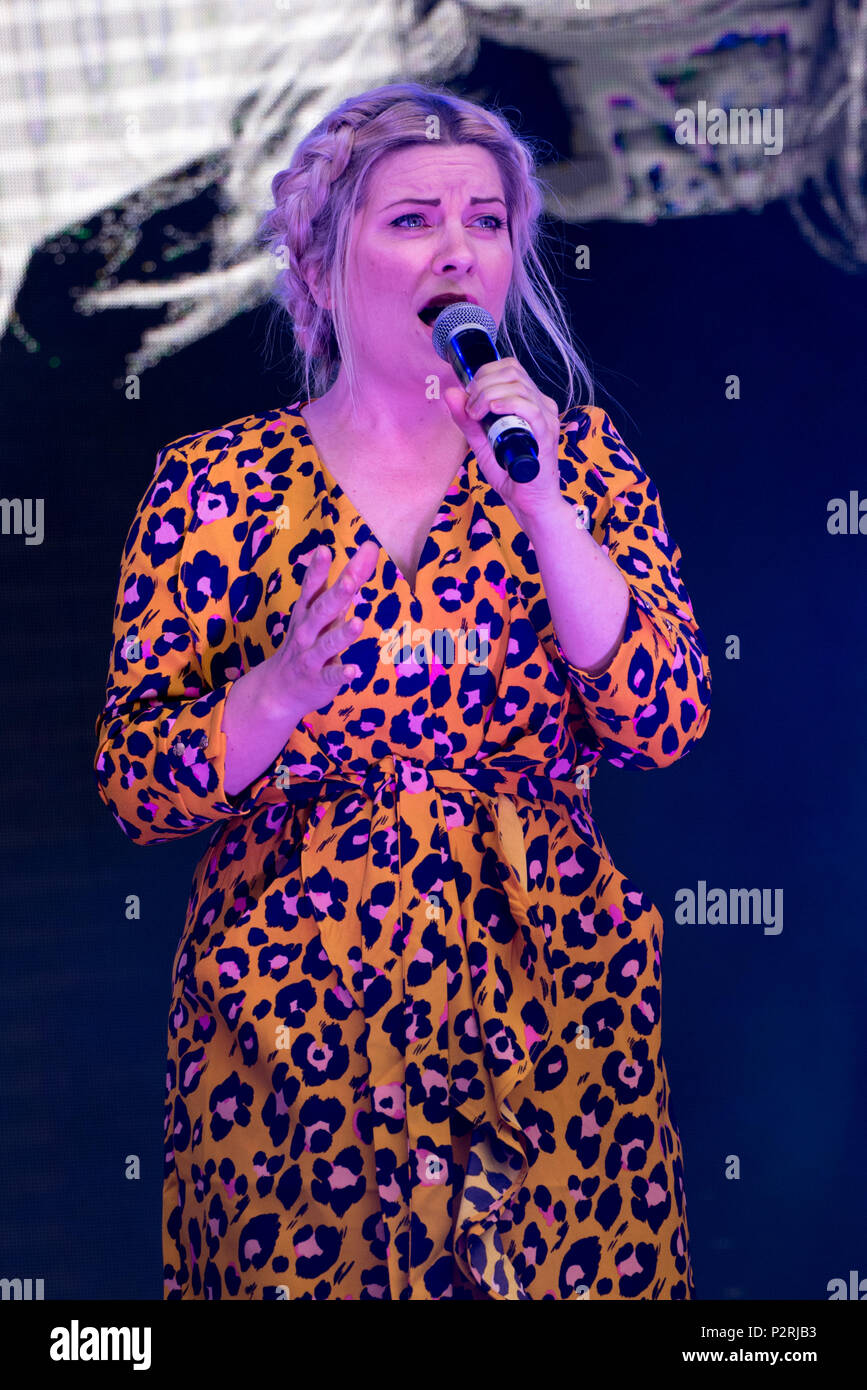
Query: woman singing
point(415, 1034)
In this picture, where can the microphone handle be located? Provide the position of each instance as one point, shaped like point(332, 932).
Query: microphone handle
point(514, 446)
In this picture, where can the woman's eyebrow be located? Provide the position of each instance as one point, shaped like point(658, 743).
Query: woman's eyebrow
point(434, 202)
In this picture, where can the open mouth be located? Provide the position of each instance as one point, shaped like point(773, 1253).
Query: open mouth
point(435, 306)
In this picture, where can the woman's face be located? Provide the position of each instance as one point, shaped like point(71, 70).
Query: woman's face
point(434, 223)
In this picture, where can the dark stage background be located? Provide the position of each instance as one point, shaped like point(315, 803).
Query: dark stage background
point(763, 1035)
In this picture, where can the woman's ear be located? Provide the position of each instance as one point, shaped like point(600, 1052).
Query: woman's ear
point(319, 288)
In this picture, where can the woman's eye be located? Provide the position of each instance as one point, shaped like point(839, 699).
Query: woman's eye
point(398, 221)
point(495, 221)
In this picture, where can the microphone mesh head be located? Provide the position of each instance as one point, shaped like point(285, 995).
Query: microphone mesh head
point(460, 315)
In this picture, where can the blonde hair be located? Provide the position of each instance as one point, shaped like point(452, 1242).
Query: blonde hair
point(317, 196)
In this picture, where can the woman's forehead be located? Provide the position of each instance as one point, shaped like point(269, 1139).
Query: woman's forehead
point(420, 170)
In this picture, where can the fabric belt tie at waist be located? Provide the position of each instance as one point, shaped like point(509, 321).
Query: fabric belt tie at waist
point(460, 1005)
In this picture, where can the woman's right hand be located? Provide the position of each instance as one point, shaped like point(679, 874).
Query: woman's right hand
point(305, 672)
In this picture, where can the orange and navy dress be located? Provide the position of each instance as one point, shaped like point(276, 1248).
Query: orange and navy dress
point(414, 1042)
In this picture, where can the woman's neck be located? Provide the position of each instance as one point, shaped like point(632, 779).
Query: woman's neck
point(388, 421)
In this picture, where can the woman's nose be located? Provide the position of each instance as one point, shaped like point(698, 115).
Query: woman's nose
point(454, 251)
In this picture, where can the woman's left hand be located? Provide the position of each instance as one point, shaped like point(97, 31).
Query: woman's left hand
point(504, 388)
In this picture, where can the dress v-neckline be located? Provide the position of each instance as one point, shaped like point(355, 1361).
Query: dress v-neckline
point(336, 491)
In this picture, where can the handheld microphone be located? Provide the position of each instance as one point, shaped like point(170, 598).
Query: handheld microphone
point(464, 335)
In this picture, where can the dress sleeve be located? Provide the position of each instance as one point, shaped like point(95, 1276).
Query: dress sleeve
point(651, 703)
point(161, 752)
